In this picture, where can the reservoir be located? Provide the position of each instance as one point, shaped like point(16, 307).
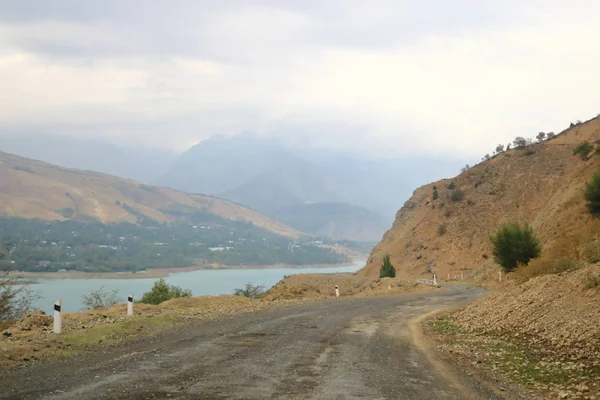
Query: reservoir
point(201, 282)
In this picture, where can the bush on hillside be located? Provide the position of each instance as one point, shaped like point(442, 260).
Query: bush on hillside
point(100, 299)
point(520, 142)
point(387, 270)
point(592, 195)
point(442, 229)
point(452, 186)
point(499, 148)
point(250, 290)
point(162, 291)
point(583, 150)
point(457, 195)
point(550, 135)
point(541, 136)
point(435, 193)
point(514, 245)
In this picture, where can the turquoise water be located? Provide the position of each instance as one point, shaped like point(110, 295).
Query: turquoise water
point(203, 282)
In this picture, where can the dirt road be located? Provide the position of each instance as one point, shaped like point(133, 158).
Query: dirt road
point(336, 349)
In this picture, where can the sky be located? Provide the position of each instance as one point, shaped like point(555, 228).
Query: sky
point(380, 77)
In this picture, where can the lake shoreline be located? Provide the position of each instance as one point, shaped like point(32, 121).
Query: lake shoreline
point(162, 272)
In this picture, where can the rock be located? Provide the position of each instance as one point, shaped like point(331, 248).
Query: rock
point(563, 395)
point(582, 388)
point(7, 334)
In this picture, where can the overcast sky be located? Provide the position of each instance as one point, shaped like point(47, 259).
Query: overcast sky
point(391, 77)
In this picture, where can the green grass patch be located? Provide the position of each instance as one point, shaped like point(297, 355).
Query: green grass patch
point(444, 325)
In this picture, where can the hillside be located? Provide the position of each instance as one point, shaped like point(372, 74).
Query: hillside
point(34, 189)
point(541, 184)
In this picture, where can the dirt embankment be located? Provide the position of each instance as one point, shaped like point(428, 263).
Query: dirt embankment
point(543, 334)
point(313, 286)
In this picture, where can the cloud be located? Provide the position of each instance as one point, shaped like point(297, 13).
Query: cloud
point(383, 77)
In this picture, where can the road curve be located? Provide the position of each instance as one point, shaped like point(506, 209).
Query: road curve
point(337, 349)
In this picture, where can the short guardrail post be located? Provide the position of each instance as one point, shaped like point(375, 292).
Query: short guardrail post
point(337, 291)
point(435, 279)
point(57, 317)
point(130, 305)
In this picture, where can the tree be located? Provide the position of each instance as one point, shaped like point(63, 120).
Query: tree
point(457, 195)
point(15, 299)
point(520, 141)
point(251, 291)
point(99, 299)
point(499, 148)
point(486, 157)
point(583, 150)
point(387, 270)
point(592, 195)
point(465, 168)
point(162, 291)
point(452, 185)
point(435, 193)
point(514, 245)
point(550, 135)
point(540, 136)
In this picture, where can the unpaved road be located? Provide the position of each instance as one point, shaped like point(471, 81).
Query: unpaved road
point(339, 349)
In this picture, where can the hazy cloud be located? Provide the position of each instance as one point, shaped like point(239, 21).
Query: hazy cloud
point(395, 77)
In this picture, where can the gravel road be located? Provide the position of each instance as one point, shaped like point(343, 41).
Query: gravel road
point(352, 348)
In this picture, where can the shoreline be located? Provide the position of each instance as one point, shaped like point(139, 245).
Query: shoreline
point(162, 272)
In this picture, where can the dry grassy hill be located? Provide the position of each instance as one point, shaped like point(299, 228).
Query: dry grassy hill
point(541, 184)
point(34, 189)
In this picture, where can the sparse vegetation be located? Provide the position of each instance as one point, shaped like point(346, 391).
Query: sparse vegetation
point(457, 195)
point(465, 169)
point(514, 245)
point(387, 270)
point(435, 194)
point(447, 212)
point(250, 291)
point(583, 150)
point(593, 281)
point(100, 299)
point(499, 148)
point(162, 291)
point(550, 135)
point(15, 299)
point(442, 229)
point(592, 195)
point(452, 185)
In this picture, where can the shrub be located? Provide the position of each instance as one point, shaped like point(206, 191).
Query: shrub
point(251, 291)
point(15, 299)
point(550, 135)
point(162, 291)
point(452, 185)
point(514, 245)
point(593, 281)
point(387, 270)
point(520, 142)
point(583, 150)
point(435, 193)
point(457, 195)
point(442, 229)
point(592, 195)
point(541, 136)
point(99, 299)
point(448, 212)
point(499, 148)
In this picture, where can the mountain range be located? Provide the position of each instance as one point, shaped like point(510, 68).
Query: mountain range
point(317, 191)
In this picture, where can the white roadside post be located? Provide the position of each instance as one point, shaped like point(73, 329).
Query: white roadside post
point(448, 275)
point(57, 317)
point(130, 305)
point(499, 276)
point(434, 279)
point(337, 291)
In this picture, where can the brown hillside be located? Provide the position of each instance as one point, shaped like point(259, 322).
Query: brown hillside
point(34, 189)
point(541, 184)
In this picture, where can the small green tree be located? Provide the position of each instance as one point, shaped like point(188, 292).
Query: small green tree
point(520, 142)
point(452, 185)
point(162, 291)
point(435, 193)
point(592, 195)
point(387, 270)
point(514, 245)
point(541, 136)
point(583, 150)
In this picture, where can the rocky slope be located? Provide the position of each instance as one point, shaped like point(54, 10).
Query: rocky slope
point(540, 184)
point(34, 189)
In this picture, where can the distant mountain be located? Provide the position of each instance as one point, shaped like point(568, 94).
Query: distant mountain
point(335, 220)
point(265, 174)
point(34, 189)
point(140, 164)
